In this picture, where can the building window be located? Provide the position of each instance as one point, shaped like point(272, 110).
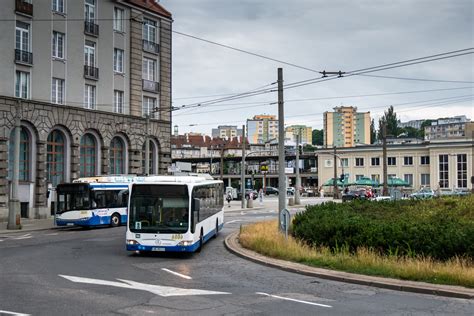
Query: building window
point(149, 69)
point(425, 179)
point(117, 156)
point(88, 156)
point(118, 19)
point(22, 84)
point(152, 154)
point(149, 30)
point(359, 162)
point(55, 157)
point(344, 162)
point(22, 36)
point(57, 91)
point(89, 97)
point(89, 10)
point(443, 171)
point(89, 54)
point(149, 105)
point(408, 160)
point(392, 161)
point(24, 158)
point(375, 161)
point(118, 101)
point(359, 176)
point(118, 60)
point(375, 178)
point(425, 160)
point(58, 6)
point(58, 45)
point(462, 170)
point(408, 178)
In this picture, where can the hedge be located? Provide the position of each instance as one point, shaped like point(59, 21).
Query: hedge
point(439, 228)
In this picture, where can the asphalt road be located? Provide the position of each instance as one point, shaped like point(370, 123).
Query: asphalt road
point(89, 272)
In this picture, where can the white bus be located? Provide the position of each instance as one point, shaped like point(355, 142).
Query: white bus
point(93, 201)
point(174, 213)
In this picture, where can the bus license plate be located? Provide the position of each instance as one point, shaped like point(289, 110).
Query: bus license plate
point(157, 249)
point(70, 224)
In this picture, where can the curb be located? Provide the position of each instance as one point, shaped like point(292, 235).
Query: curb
point(232, 244)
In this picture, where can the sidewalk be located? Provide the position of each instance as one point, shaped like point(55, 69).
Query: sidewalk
point(28, 225)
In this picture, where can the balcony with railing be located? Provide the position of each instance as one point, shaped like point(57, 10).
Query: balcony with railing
point(151, 86)
point(90, 28)
point(151, 47)
point(21, 6)
point(91, 72)
point(23, 57)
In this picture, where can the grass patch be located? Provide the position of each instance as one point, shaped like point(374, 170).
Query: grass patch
point(265, 239)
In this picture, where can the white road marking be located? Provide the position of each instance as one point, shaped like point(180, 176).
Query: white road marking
point(178, 274)
point(233, 221)
point(13, 313)
point(164, 291)
point(293, 300)
point(53, 234)
point(26, 236)
point(1, 240)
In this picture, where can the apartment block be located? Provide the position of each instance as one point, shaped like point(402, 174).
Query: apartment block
point(262, 128)
point(453, 127)
point(226, 131)
point(345, 127)
point(305, 132)
point(89, 81)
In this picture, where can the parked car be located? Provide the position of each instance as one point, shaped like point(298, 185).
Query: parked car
point(270, 191)
point(424, 193)
point(360, 194)
point(247, 194)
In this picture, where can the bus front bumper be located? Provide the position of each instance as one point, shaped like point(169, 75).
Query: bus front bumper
point(190, 248)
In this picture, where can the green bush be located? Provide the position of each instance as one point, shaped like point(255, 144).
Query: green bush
point(439, 228)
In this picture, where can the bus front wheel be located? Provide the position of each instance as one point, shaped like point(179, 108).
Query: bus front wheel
point(115, 220)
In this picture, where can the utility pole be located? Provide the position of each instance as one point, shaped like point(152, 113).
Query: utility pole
point(14, 202)
point(336, 189)
point(147, 145)
point(298, 179)
point(210, 166)
point(222, 162)
point(281, 148)
point(242, 170)
point(384, 157)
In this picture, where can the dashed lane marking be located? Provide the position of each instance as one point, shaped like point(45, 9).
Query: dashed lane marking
point(53, 234)
point(27, 236)
point(12, 313)
point(233, 221)
point(293, 300)
point(178, 274)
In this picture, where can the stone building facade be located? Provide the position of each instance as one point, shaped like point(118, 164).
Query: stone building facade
point(83, 77)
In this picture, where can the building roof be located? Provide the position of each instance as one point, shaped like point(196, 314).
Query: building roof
point(152, 6)
point(200, 141)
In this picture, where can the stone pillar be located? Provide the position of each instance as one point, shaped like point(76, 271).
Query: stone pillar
point(105, 169)
point(3, 179)
point(134, 161)
point(75, 156)
point(41, 202)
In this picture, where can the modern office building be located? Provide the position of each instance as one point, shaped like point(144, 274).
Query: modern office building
point(226, 131)
point(81, 77)
point(345, 127)
point(305, 132)
point(262, 128)
point(453, 127)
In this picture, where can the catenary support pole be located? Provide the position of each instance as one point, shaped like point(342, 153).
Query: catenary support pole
point(14, 202)
point(242, 170)
point(147, 145)
point(336, 188)
point(384, 157)
point(281, 147)
point(298, 178)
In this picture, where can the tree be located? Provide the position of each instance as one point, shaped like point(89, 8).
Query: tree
point(373, 132)
point(317, 137)
point(390, 119)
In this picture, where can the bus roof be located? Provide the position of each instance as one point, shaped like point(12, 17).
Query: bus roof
point(189, 178)
point(174, 179)
point(107, 179)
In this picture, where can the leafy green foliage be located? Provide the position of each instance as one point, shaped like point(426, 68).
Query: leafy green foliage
point(438, 228)
point(317, 136)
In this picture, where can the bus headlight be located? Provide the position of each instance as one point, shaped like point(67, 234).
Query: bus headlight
point(132, 242)
point(185, 243)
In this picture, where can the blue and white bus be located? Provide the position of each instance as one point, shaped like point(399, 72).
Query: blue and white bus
point(174, 213)
point(93, 201)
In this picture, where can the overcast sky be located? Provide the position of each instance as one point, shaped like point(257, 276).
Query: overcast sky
point(326, 35)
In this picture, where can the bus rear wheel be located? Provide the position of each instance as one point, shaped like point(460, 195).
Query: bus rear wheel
point(115, 220)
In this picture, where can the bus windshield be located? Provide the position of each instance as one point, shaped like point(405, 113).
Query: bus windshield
point(159, 208)
point(72, 197)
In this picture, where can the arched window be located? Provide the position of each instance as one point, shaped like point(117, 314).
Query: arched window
point(88, 160)
point(117, 156)
point(153, 157)
point(24, 155)
point(55, 157)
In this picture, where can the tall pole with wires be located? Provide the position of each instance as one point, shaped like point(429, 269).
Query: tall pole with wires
point(242, 170)
point(281, 147)
point(384, 157)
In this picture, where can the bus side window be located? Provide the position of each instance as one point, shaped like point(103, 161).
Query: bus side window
point(196, 205)
point(123, 198)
